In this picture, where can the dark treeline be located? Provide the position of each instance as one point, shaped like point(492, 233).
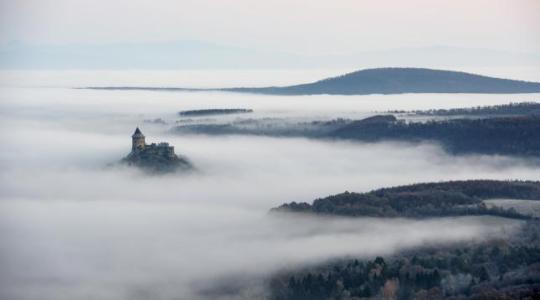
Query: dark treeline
point(516, 134)
point(214, 111)
point(512, 109)
point(519, 136)
point(266, 127)
point(499, 269)
point(507, 268)
point(453, 198)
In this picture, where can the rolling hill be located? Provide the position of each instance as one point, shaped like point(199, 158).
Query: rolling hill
point(381, 81)
point(402, 80)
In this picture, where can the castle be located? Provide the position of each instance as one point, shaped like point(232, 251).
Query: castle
point(138, 145)
point(154, 157)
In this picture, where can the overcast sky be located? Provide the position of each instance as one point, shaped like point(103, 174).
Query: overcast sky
point(305, 27)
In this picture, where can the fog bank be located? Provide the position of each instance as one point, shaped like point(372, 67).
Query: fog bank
point(72, 227)
point(164, 250)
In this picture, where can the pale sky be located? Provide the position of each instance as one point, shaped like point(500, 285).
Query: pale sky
point(306, 27)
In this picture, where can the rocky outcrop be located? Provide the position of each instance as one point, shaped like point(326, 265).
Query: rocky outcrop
point(157, 162)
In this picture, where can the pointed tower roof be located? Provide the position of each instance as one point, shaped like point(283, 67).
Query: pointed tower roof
point(137, 133)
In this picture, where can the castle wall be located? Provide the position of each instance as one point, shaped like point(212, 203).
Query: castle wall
point(163, 150)
point(138, 143)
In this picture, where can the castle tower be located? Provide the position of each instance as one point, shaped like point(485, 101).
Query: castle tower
point(137, 139)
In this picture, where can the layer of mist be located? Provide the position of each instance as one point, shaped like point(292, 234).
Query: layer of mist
point(164, 250)
point(74, 228)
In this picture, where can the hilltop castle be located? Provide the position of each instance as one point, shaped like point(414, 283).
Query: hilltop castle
point(138, 144)
point(155, 157)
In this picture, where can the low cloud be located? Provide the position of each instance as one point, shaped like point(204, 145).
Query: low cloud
point(114, 250)
point(72, 228)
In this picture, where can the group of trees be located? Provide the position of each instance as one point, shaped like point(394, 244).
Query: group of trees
point(512, 129)
point(496, 270)
point(264, 126)
point(424, 200)
point(521, 108)
point(499, 269)
point(157, 160)
point(213, 111)
point(519, 135)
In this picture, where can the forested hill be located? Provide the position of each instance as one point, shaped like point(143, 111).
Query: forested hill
point(506, 268)
point(380, 81)
point(402, 80)
point(423, 200)
point(519, 136)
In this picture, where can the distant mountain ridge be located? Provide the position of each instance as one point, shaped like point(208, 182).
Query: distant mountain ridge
point(402, 80)
point(208, 55)
point(383, 81)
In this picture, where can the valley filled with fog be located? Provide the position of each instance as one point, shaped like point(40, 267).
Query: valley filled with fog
point(75, 225)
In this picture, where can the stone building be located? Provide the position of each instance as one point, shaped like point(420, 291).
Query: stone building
point(157, 157)
point(137, 140)
point(138, 144)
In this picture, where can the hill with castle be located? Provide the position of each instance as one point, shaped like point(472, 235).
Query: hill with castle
point(156, 158)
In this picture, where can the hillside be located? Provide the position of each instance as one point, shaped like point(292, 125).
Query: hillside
point(505, 268)
point(423, 200)
point(518, 135)
point(378, 81)
point(402, 80)
point(498, 269)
